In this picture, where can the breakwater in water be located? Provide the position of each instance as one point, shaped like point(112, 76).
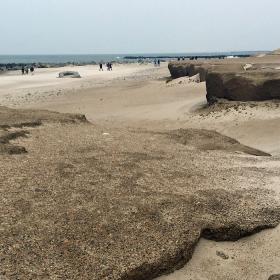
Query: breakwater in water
point(15, 62)
point(182, 57)
point(18, 66)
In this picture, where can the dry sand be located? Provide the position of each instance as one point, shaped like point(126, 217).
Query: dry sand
point(16, 89)
point(137, 98)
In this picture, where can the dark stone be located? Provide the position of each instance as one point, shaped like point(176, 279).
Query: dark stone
point(183, 69)
point(274, 277)
point(230, 81)
point(69, 74)
point(243, 86)
point(222, 255)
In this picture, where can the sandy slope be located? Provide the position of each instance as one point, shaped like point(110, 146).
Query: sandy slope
point(16, 89)
point(127, 98)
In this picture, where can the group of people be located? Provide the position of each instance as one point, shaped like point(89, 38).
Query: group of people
point(157, 63)
point(109, 66)
point(25, 70)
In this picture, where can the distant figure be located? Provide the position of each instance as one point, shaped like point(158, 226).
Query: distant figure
point(158, 63)
point(111, 66)
point(183, 58)
point(178, 58)
point(26, 70)
point(100, 67)
point(32, 70)
point(22, 70)
point(108, 66)
point(155, 63)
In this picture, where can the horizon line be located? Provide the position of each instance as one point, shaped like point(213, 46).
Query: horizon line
point(135, 53)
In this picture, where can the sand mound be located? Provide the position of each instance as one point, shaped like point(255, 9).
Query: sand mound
point(184, 80)
point(179, 81)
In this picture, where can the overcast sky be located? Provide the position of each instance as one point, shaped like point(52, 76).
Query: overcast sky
point(137, 26)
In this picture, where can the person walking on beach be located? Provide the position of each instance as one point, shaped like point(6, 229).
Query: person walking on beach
point(32, 70)
point(100, 67)
point(22, 70)
point(26, 70)
point(158, 63)
point(111, 66)
point(155, 63)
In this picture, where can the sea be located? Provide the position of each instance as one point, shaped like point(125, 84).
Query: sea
point(96, 58)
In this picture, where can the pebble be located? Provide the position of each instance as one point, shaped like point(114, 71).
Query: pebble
point(222, 255)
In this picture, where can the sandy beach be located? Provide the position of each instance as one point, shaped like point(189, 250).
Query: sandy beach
point(137, 98)
point(17, 89)
point(139, 140)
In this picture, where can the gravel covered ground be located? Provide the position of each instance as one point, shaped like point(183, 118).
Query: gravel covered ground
point(92, 202)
